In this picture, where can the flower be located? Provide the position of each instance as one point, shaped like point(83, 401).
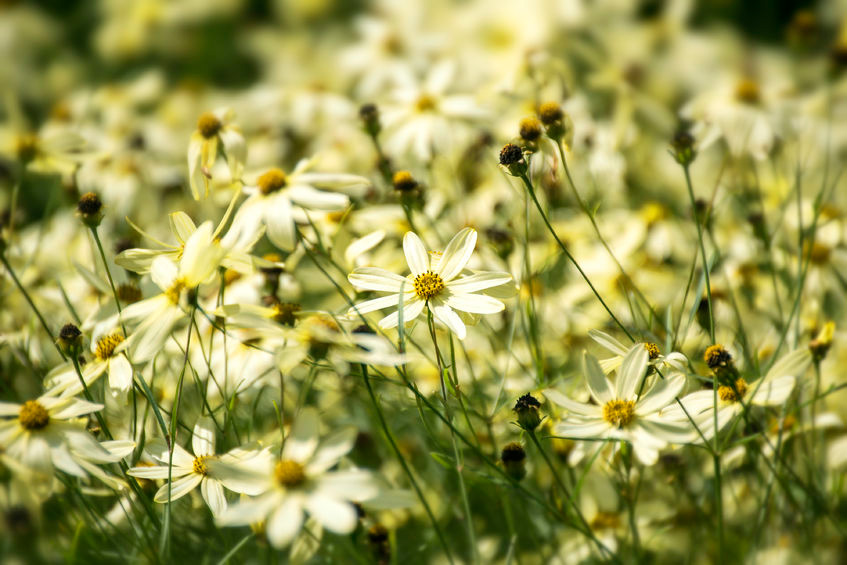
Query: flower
point(734, 392)
point(206, 469)
point(672, 361)
point(300, 481)
point(106, 359)
point(623, 412)
point(434, 282)
point(46, 432)
point(214, 131)
point(278, 200)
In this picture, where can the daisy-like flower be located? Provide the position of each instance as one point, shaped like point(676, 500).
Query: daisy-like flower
point(47, 432)
point(734, 392)
point(621, 411)
point(300, 482)
point(278, 200)
point(159, 314)
point(210, 471)
point(106, 359)
point(674, 361)
point(434, 283)
point(214, 132)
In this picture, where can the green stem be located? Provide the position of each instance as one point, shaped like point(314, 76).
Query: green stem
point(702, 251)
point(567, 253)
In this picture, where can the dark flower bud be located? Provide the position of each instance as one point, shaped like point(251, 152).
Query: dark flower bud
point(527, 410)
point(404, 182)
point(90, 209)
point(512, 159)
point(513, 458)
point(369, 114)
point(682, 148)
point(70, 340)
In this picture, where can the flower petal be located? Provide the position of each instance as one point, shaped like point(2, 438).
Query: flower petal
point(457, 254)
point(285, 522)
point(597, 382)
point(632, 371)
point(449, 318)
point(478, 281)
point(372, 278)
point(303, 438)
point(474, 303)
point(415, 252)
point(335, 515)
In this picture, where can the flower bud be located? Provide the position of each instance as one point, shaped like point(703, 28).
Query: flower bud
point(70, 340)
point(527, 410)
point(512, 159)
point(822, 342)
point(369, 114)
point(513, 458)
point(557, 124)
point(90, 209)
point(682, 148)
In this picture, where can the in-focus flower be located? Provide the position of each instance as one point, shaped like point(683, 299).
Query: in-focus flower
point(622, 411)
point(300, 482)
point(106, 359)
point(673, 361)
point(210, 471)
point(434, 282)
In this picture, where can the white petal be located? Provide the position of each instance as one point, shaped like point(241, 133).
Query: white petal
point(371, 278)
point(661, 394)
point(120, 373)
point(375, 304)
point(203, 440)
point(163, 271)
point(593, 429)
point(632, 371)
point(352, 484)
point(457, 254)
point(285, 522)
point(596, 380)
point(311, 199)
point(773, 392)
point(479, 281)
point(449, 318)
point(363, 244)
point(213, 494)
point(474, 303)
point(579, 408)
point(793, 364)
point(303, 438)
point(335, 515)
point(411, 310)
point(248, 510)
point(331, 449)
point(179, 488)
point(608, 342)
point(157, 472)
point(415, 252)
point(182, 225)
point(279, 220)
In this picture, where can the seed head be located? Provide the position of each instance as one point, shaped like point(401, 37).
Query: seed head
point(527, 410)
point(550, 113)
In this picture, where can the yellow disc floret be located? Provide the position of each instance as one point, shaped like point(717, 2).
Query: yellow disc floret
point(208, 125)
point(272, 181)
point(33, 416)
point(619, 412)
point(652, 350)
point(199, 465)
point(106, 346)
point(175, 290)
point(729, 393)
point(428, 284)
point(289, 473)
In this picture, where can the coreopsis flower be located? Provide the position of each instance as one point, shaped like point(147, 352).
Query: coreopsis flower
point(672, 361)
point(211, 472)
point(301, 482)
point(106, 360)
point(279, 200)
point(628, 410)
point(434, 283)
point(158, 315)
point(214, 133)
point(734, 392)
point(47, 432)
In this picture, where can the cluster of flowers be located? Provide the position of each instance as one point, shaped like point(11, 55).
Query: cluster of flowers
point(488, 294)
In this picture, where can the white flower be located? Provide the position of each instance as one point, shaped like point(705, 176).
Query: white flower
point(622, 412)
point(106, 359)
point(159, 314)
point(206, 469)
point(300, 482)
point(771, 390)
point(214, 132)
point(47, 432)
point(278, 200)
point(674, 361)
point(434, 282)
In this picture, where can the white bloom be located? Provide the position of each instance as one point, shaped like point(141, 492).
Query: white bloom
point(300, 482)
point(106, 359)
point(434, 282)
point(278, 200)
point(621, 411)
point(206, 469)
point(674, 361)
point(214, 132)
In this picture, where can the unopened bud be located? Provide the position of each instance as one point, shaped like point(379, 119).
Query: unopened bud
point(369, 114)
point(513, 458)
point(90, 209)
point(527, 410)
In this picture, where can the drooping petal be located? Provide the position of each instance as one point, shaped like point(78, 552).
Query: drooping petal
point(372, 278)
point(213, 494)
point(474, 303)
point(444, 314)
point(375, 304)
point(285, 522)
point(279, 220)
point(411, 310)
point(179, 488)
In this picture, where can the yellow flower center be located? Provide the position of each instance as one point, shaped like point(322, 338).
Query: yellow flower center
point(33, 416)
point(285, 313)
point(732, 394)
point(272, 181)
point(174, 292)
point(619, 412)
point(652, 350)
point(208, 125)
point(289, 473)
point(106, 346)
point(428, 284)
point(819, 253)
point(747, 91)
point(425, 103)
point(199, 465)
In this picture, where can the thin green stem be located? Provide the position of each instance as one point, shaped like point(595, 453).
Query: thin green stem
point(688, 184)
